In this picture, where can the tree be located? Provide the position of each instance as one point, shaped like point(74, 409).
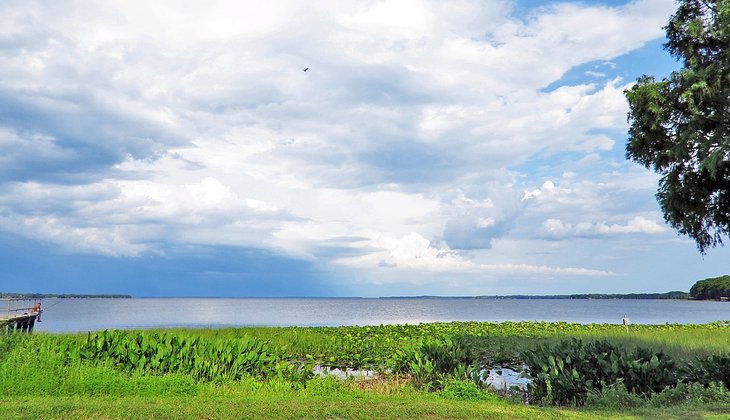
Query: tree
point(680, 126)
point(713, 288)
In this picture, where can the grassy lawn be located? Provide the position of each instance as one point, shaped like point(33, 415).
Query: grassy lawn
point(291, 406)
point(300, 405)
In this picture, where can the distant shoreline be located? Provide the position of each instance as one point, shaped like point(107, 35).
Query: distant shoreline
point(59, 295)
point(674, 295)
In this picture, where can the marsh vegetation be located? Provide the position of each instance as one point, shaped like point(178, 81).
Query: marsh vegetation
point(436, 369)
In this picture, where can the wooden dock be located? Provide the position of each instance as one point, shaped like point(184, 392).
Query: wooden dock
point(19, 314)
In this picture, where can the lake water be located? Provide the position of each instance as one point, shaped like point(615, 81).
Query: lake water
point(73, 315)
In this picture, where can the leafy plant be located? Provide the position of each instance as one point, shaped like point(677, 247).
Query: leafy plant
point(565, 373)
point(708, 370)
point(459, 389)
point(423, 372)
point(446, 354)
point(152, 353)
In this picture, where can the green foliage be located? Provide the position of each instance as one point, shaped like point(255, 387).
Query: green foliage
point(489, 343)
point(565, 373)
point(32, 365)
point(423, 372)
point(401, 359)
point(158, 354)
point(37, 366)
point(691, 393)
point(613, 397)
point(326, 386)
point(709, 370)
point(431, 362)
point(616, 397)
point(8, 341)
point(712, 288)
point(444, 357)
point(679, 126)
point(459, 389)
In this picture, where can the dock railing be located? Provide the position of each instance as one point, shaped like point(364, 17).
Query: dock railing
point(11, 308)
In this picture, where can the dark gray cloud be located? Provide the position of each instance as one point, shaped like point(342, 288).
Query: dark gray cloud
point(84, 137)
point(36, 267)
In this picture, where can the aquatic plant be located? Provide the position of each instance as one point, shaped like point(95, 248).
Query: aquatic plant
point(157, 354)
point(566, 372)
point(708, 370)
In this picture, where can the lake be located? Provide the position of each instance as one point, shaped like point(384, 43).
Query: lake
point(74, 315)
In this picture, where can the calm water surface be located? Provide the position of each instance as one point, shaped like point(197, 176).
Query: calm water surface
point(72, 315)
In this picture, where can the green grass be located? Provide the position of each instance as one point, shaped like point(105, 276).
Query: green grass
point(37, 380)
point(270, 402)
point(272, 406)
point(277, 401)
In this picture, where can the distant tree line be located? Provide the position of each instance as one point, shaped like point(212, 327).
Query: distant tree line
point(712, 288)
point(668, 295)
point(10, 295)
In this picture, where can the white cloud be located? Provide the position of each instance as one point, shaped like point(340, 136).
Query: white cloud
point(414, 252)
point(138, 126)
point(547, 188)
point(47, 228)
point(556, 229)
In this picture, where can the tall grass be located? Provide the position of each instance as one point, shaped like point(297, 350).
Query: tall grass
point(35, 366)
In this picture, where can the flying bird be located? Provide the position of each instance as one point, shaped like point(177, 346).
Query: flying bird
point(306, 69)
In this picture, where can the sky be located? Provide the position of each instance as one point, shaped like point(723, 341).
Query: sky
point(431, 148)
